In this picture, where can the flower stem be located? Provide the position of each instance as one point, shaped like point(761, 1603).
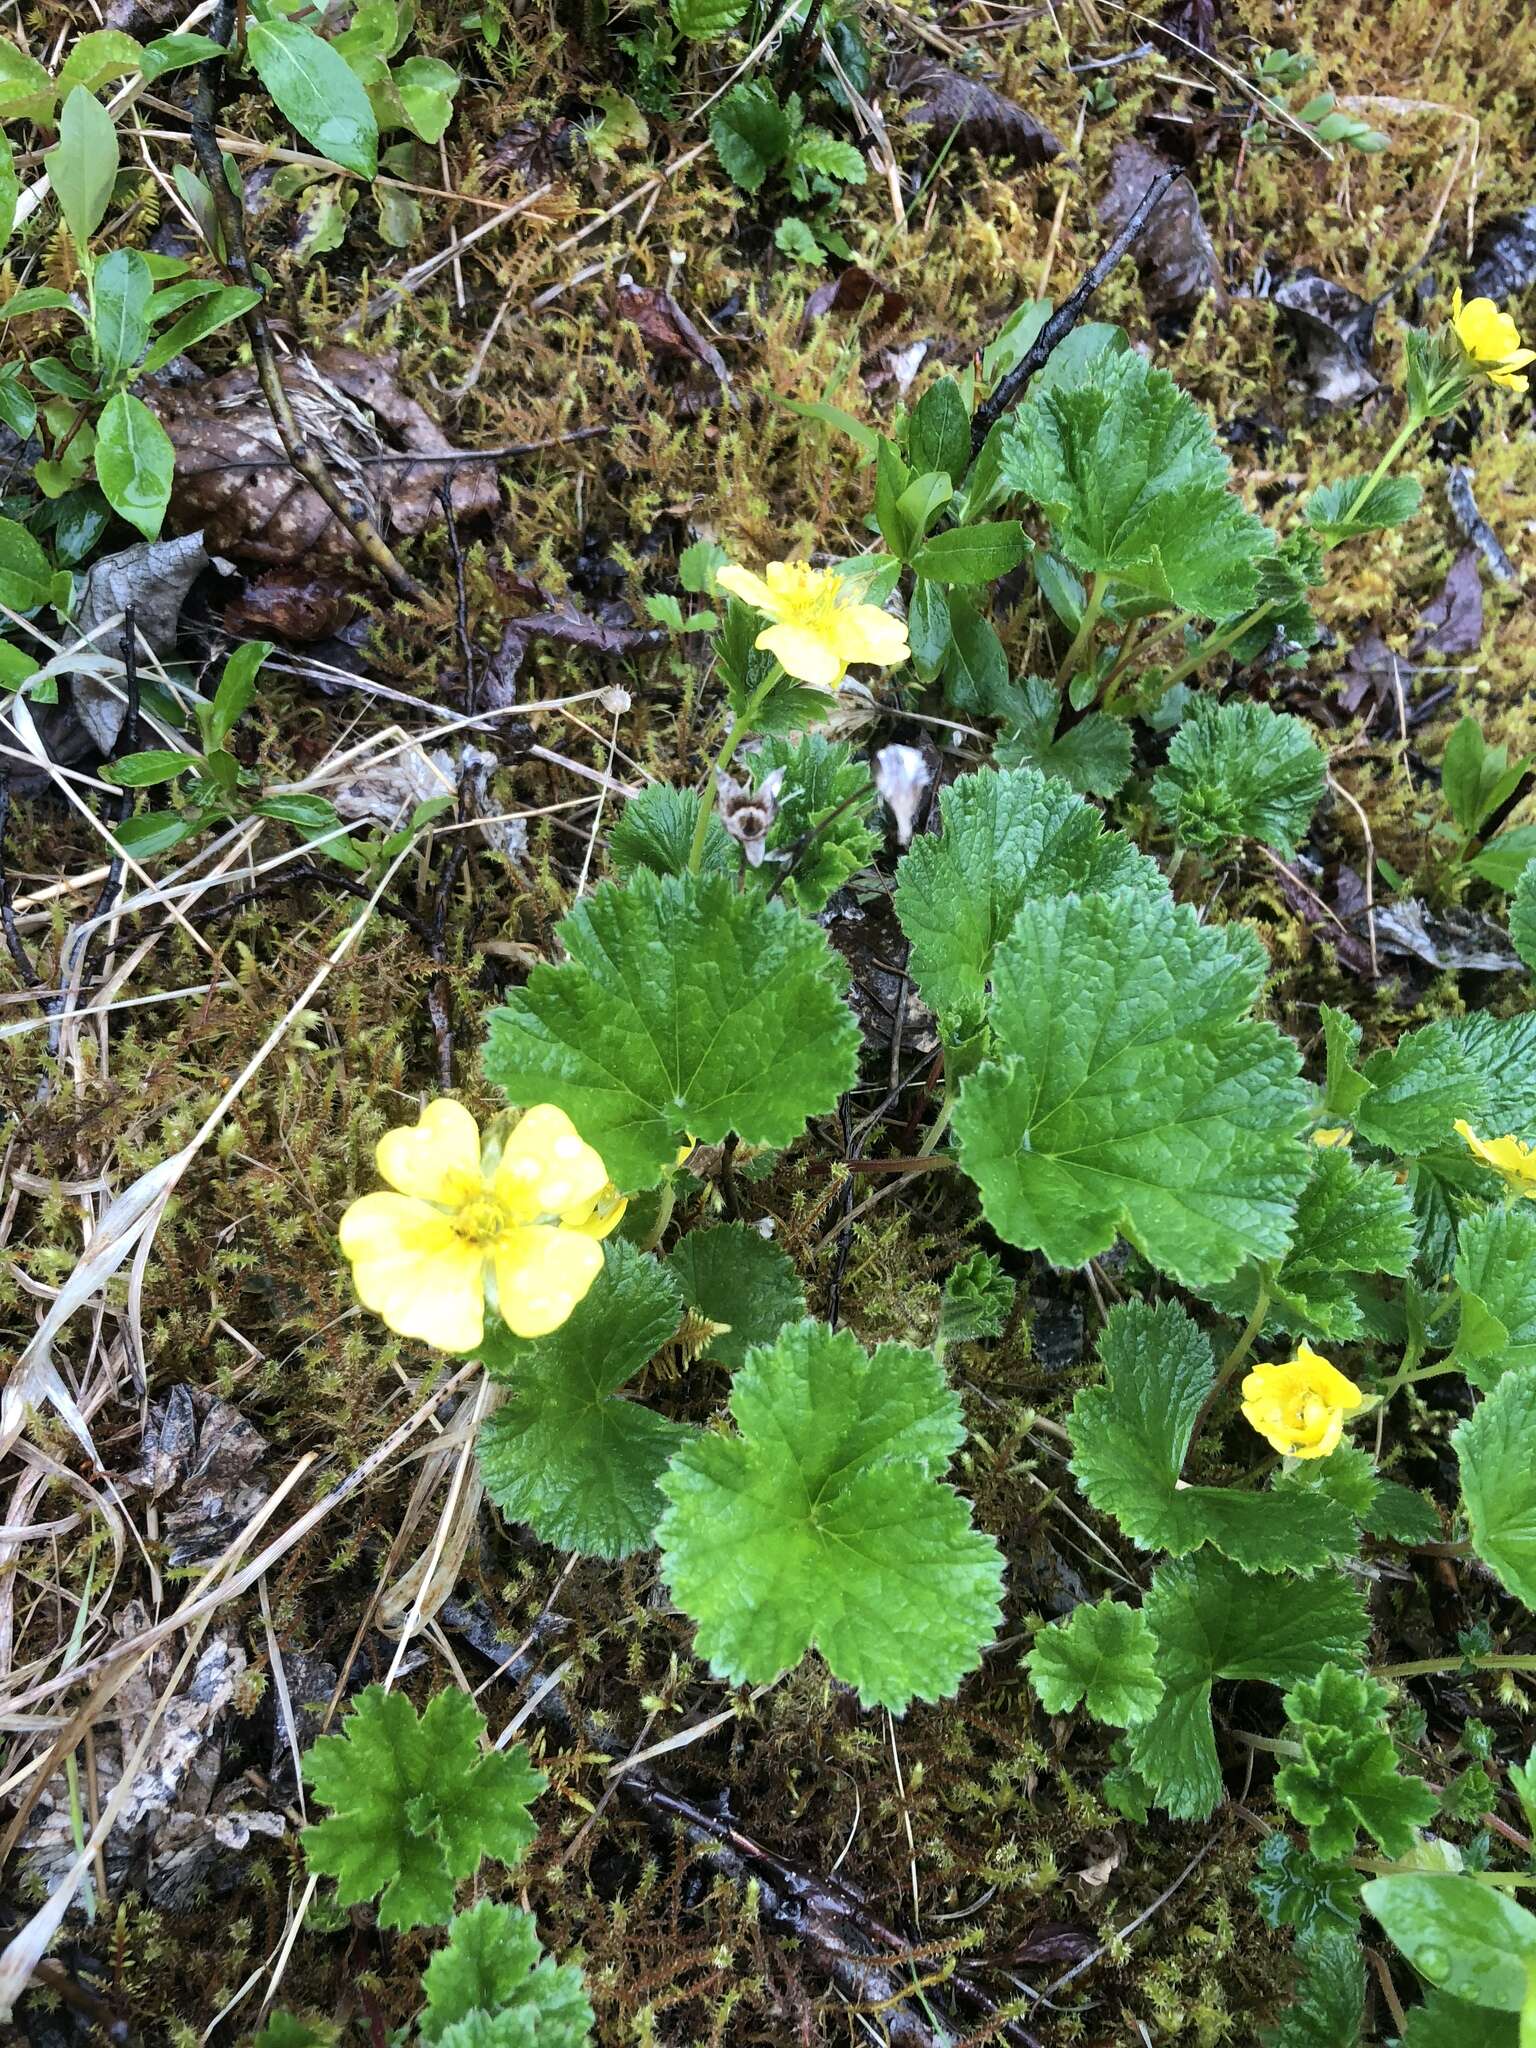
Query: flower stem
point(1217, 642)
point(1450, 1667)
point(740, 729)
point(1083, 637)
point(1251, 1329)
point(1374, 480)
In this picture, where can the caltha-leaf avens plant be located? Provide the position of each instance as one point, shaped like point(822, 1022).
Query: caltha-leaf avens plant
point(690, 1004)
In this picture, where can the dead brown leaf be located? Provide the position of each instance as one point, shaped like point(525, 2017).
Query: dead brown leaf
point(177, 1830)
point(667, 331)
point(234, 481)
point(967, 108)
point(289, 605)
point(1174, 253)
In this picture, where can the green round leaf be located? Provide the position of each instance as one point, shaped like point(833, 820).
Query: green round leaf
point(737, 1280)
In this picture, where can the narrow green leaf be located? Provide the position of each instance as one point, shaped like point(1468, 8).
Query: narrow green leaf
point(143, 771)
point(135, 462)
point(237, 687)
point(317, 92)
point(973, 554)
point(97, 58)
point(82, 165)
point(27, 93)
point(25, 571)
point(123, 287)
point(229, 302)
point(176, 52)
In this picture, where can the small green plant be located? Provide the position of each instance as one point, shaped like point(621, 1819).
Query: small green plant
point(756, 134)
point(1280, 71)
point(417, 1804)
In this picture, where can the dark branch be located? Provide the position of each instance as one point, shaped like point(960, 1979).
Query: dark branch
point(1065, 318)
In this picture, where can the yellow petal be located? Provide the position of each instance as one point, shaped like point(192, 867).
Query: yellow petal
point(810, 657)
point(600, 1217)
point(437, 1158)
point(1508, 380)
point(866, 633)
point(1339, 1134)
point(742, 583)
point(541, 1274)
point(412, 1268)
point(546, 1167)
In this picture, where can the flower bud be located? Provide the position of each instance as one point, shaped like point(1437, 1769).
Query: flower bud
point(748, 813)
point(902, 775)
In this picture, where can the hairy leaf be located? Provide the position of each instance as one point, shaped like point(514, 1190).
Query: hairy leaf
point(1496, 1273)
point(824, 1523)
point(655, 831)
point(1347, 1777)
point(417, 1804)
point(1211, 1621)
point(1009, 837)
point(1327, 2007)
point(975, 1302)
point(563, 1455)
point(1295, 1889)
point(820, 778)
point(739, 1282)
point(1092, 757)
point(1418, 1088)
point(493, 1964)
point(1498, 1481)
point(1103, 1655)
point(1240, 771)
point(1134, 1095)
point(1129, 472)
point(1331, 513)
point(683, 1009)
point(1129, 1440)
point(751, 133)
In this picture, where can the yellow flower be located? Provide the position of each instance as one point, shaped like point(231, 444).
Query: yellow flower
point(1514, 1161)
point(1338, 1135)
point(1490, 341)
point(524, 1221)
point(818, 625)
point(1299, 1407)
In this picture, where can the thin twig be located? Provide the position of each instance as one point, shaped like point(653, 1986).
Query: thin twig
point(1065, 318)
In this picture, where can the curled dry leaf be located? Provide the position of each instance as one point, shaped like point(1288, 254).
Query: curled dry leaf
point(1336, 331)
point(233, 479)
point(571, 628)
point(152, 579)
point(1174, 253)
point(668, 332)
point(288, 604)
point(850, 292)
point(200, 1457)
point(1503, 257)
point(949, 103)
point(1452, 623)
point(176, 1831)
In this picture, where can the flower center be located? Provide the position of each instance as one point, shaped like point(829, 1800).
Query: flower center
point(812, 598)
point(1308, 1416)
point(482, 1220)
